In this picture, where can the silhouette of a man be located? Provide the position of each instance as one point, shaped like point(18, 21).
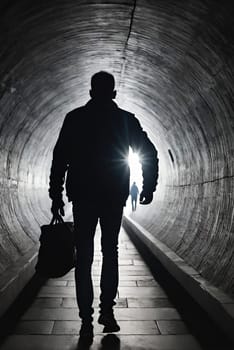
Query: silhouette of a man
point(134, 194)
point(92, 148)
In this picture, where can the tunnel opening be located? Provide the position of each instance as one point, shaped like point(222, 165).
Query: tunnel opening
point(173, 63)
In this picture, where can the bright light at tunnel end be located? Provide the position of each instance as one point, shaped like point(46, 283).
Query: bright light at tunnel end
point(135, 171)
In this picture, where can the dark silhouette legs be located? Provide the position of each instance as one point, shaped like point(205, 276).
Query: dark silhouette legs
point(85, 221)
point(110, 223)
point(85, 226)
point(134, 203)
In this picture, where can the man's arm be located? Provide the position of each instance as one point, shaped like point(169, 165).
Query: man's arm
point(142, 145)
point(58, 170)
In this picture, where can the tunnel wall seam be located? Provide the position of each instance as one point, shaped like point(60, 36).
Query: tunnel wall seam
point(203, 182)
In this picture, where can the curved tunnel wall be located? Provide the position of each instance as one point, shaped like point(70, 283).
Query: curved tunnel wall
point(173, 63)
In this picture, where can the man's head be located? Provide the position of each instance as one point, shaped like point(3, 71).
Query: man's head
point(102, 86)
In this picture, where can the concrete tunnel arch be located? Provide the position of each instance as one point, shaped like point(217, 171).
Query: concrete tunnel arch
point(173, 63)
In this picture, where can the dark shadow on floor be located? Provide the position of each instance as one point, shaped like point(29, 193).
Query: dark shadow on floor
point(108, 342)
point(197, 320)
point(24, 300)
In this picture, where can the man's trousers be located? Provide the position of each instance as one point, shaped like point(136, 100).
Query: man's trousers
point(85, 221)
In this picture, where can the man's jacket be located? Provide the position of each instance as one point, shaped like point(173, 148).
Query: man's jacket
point(92, 153)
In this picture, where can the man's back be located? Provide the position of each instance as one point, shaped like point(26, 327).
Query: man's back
point(96, 138)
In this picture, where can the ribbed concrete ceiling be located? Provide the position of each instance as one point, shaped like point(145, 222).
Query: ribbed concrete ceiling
point(173, 63)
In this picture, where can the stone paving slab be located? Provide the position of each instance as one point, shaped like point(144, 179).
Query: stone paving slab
point(48, 314)
point(147, 318)
point(147, 314)
point(147, 283)
point(127, 342)
point(138, 262)
point(47, 302)
point(72, 327)
point(148, 302)
point(122, 283)
point(122, 277)
point(125, 262)
point(140, 292)
point(72, 303)
point(34, 327)
point(172, 327)
point(126, 272)
point(120, 302)
point(127, 327)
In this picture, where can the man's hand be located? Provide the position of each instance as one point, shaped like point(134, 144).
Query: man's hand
point(57, 207)
point(145, 197)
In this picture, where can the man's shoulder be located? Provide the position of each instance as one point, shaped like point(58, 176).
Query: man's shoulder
point(127, 113)
point(75, 112)
point(131, 118)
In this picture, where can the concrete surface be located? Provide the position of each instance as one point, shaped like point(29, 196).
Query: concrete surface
point(173, 63)
point(147, 317)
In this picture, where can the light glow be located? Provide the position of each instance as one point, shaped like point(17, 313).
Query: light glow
point(135, 169)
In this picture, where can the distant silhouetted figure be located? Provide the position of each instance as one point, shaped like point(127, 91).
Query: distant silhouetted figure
point(92, 148)
point(134, 194)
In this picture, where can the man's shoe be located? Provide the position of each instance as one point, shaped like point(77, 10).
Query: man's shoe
point(109, 322)
point(86, 330)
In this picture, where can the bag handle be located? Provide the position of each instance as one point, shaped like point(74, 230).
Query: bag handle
point(57, 219)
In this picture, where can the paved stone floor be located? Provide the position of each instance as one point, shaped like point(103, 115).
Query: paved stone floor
point(147, 318)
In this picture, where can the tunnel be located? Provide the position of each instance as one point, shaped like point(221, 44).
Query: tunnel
point(173, 62)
